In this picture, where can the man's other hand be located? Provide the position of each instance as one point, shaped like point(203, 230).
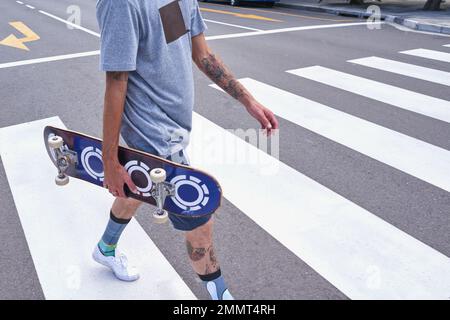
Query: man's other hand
point(264, 116)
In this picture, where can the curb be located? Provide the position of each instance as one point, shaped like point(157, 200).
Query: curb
point(415, 25)
point(409, 23)
point(336, 11)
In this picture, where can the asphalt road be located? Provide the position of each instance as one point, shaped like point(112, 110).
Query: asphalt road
point(256, 264)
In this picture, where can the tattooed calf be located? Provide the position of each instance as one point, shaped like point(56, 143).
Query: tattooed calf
point(195, 254)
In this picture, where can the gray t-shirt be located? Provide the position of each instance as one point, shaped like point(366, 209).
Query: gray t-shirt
point(152, 40)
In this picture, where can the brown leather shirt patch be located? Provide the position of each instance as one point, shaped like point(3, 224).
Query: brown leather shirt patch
point(172, 20)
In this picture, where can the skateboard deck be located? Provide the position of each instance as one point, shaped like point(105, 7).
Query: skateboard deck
point(194, 192)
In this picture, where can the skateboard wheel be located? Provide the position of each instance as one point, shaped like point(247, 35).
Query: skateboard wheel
point(158, 175)
point(62, 181)
point(161, 218)
point(55, 142)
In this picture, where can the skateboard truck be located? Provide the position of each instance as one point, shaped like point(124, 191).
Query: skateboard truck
point(64, 158)
point(161, 189)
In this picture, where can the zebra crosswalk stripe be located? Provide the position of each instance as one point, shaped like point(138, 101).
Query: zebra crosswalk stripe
point(360, 254)
point(428, 54)
point(410, 155)
point(62, 226)
point(399, 97)
point(405, 69)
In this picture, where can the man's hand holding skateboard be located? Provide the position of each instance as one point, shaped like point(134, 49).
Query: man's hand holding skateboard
point(116, 177)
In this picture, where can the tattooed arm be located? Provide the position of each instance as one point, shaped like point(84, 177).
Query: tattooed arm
point(115, 93)
point(216, 70)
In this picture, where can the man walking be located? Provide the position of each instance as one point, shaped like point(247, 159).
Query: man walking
point(147, 49)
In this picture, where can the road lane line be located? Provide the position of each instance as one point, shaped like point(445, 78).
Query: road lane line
point(395, 96)
point(19, 2)
point(48, 59)
point(240, 15)
point(62, 226)
point(226, 36)
point(428, 54)
point(237, 35)
point(70, 23)
point(415, 157)
point(447, 45)
point(282, 30)
point(231, 25)
point(406, 69)
point(359, 253)
point(272, 11)
point(31, 7)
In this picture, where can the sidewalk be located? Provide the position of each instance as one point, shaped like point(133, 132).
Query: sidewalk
point(407, 12)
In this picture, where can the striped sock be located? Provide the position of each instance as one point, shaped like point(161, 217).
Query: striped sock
point(108, 242)
point(216, 286)
point(107, 249)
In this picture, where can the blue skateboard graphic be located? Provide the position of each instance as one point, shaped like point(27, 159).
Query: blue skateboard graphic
point(172, 187)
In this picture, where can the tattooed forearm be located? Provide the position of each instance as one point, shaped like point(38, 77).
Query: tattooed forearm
point(218, 72)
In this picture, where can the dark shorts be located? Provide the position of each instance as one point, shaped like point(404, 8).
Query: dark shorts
point(178, 222)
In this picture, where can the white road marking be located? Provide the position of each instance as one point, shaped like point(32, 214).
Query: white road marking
point(28, 6)
point(447, 45)
point(48, 59)
point(231, 25)
point(402, 98)
point(406, 69)
point(428, 54)
point(70, 24)
point(359, 253)
point(410, 155)
point(234, 35)
point(19, 2)
point(62, 226)
point(274, 31)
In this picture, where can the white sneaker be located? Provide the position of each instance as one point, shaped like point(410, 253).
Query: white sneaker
point(118, 265)
point(227, 295)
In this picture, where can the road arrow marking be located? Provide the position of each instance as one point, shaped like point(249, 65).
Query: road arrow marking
point(240, 15)
point(13, 41)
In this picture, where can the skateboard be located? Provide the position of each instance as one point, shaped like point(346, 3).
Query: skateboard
point(171, 187)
